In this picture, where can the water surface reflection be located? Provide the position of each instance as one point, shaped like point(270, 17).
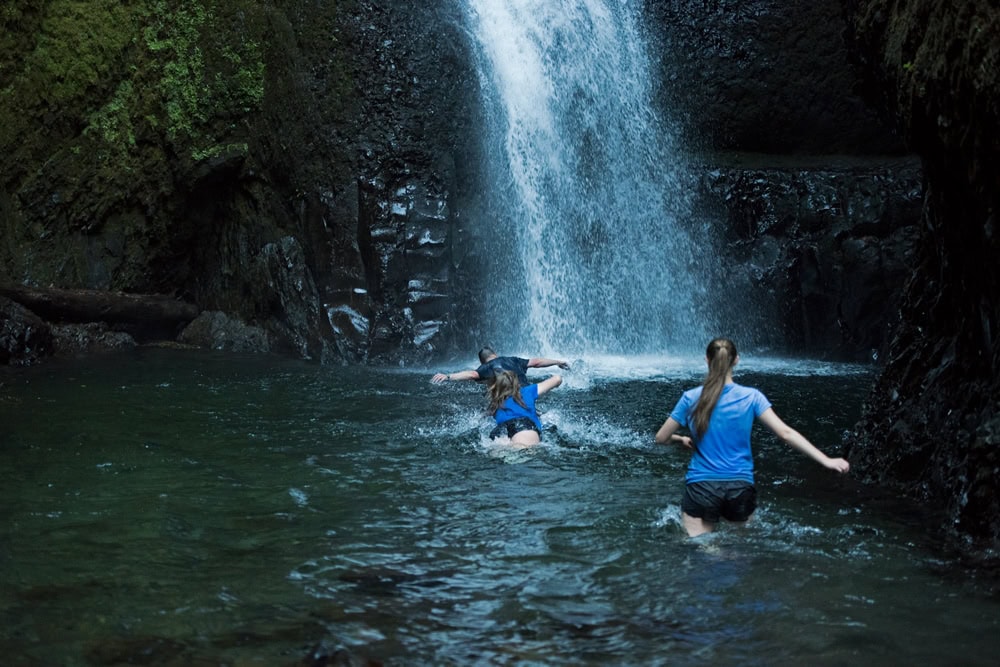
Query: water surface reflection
point(163, 507)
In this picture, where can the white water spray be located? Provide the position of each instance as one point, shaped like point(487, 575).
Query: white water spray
point(593, 253)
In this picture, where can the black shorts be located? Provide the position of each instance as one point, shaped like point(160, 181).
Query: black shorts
point(732, 500)
point(512, 426)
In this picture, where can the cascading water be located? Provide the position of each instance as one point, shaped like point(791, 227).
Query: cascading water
point(593, 251)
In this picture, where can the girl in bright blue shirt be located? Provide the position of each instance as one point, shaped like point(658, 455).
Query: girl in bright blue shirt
point(720, 415)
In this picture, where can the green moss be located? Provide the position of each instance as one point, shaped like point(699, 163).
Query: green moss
point(173, 37)
point(246, 91)
point(113, 122)
point(77, 48)
point(116, 70)
point(212, 151)
point(203, 78)
point(61, 54)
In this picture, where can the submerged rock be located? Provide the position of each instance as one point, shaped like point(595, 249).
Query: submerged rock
point(89, 338)
point(217, 331)
point(24, 337)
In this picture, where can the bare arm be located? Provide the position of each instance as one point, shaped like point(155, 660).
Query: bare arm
point(460, 375)
point(667, 434)
point(542, 362)
point(797, 441)
point(549, 383)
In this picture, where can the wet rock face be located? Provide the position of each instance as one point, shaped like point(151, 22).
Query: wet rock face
point(930, 425)
point(764, 76)
point(408, 242)
point(823, 249)
point(319, 196)
point(421, 112)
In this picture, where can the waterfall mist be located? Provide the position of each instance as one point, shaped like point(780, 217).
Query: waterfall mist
point(592, 247)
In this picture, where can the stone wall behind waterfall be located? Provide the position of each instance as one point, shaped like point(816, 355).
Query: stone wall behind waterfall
point(329, 217)
point(818, 198)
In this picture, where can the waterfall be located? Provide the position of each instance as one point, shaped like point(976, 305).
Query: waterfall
point(592, 247)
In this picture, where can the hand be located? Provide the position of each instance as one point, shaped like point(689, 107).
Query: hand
point(684, 440)
point(563, 365)
point(838, 465)
point(439, 377)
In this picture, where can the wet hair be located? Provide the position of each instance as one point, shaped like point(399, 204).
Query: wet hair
point(502, 386)
point(721, 353)
point(485, 354)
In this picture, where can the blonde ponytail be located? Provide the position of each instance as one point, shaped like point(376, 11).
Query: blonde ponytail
point(721, 353)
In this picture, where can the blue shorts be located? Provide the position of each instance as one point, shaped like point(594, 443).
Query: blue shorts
point(733, 500)
point(513, 426)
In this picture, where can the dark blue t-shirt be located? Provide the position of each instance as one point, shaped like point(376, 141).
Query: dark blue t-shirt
point(513, 364)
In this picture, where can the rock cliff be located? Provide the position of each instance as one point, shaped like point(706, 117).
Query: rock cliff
point(305, 172)
point(932, 425)
point(274, 162)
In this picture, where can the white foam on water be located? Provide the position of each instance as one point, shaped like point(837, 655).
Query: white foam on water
point(655, 367)
point(299, 496)
point(592, 431)
point(669, 517)
point(584, 371)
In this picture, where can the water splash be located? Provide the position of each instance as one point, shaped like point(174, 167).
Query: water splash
point(593, 250)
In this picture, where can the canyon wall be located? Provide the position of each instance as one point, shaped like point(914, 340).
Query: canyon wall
point(305, 175)
point(931, 428)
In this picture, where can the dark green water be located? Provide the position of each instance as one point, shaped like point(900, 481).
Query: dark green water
point(174, 508)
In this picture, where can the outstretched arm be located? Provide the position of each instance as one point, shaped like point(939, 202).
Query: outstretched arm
point(542, 362)
point(549, 383)
point(797, 441)
point(666, 434)
point(460, 375)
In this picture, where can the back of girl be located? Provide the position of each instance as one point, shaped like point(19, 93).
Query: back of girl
point(720, 414)
point(513, 407)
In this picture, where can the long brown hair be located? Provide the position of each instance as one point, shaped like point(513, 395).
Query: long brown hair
point(721, 353)
point(504, 385)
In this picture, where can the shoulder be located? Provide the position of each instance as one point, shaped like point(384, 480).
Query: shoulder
point(692, 394)
point(754, 394)
point(748, 391)
point(515, 364)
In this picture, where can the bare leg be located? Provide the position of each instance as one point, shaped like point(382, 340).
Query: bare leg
point(696, 526)
point(525, 438)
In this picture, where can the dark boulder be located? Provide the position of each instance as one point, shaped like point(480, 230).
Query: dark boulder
point(24, 337)
point(215, 330)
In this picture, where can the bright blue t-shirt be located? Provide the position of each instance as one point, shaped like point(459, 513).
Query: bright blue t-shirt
point(511, 409)
point(723, 453)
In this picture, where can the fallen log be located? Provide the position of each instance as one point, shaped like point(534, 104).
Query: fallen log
point(84, 305)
